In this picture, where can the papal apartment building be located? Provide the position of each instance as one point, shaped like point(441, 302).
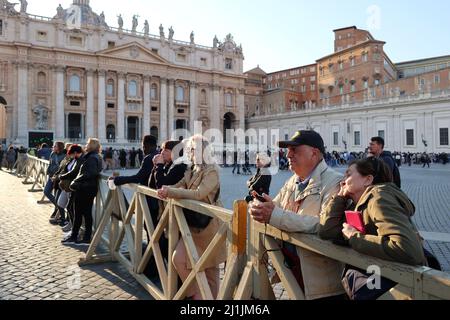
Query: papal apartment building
point(71, 76)
point(355, 93)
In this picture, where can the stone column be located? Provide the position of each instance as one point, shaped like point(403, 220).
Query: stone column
point(215, 109)
point(171, 106)
point(193, 106)
point(90, 105)
point(101, 111)
point(121, 108)
point(241, 115)
point(163, 111)
point(146, 119)
point(60, 124)
point(22, 102)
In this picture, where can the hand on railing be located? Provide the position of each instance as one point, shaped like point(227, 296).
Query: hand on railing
point(163, 193)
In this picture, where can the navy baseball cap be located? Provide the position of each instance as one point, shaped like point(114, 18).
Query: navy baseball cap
point(304, 137)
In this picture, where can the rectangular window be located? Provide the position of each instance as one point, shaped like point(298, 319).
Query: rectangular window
point(341, 90)
point(155, 51)
point(365, 57)
point(410, 137)
point(357, 138)
point(313, 78)
point(1, 27)
point(352, 62)
point(437, 79)
point(203, 62)
point(443, 136)
point(154, 109)
point(74, 103)
point(353, 88)
point(377, 82)
point(366, 84)
point(381, 133)
point(341, 66)
point(335, 138)
point(313, 87)
point(76, 41)
point(312, 69)
point(228, 64)
point(111, 44)
point(181, 57)
point(111, 105)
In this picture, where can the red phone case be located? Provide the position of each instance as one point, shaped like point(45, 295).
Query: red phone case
point(355, 219)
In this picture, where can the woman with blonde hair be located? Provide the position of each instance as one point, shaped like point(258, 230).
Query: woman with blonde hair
point(200, 183)
point(84, 189)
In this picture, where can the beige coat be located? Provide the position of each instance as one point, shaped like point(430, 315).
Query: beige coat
point(321, 275)
point(202, 186)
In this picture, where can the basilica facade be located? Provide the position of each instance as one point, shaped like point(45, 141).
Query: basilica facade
point(71, 76)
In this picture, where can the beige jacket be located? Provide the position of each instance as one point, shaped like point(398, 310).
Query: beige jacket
point(202, 186)
point(321, 275)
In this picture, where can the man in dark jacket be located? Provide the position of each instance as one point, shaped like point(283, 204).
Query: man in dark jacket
point(149, 144)
point(84, 188)
point(376, 148)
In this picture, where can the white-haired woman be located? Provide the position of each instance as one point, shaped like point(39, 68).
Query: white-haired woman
point(84, 189)
point(200, 183)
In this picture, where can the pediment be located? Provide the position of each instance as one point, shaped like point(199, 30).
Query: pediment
point(133, 51)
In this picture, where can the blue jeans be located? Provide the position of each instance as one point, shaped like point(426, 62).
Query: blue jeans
point(48, 191)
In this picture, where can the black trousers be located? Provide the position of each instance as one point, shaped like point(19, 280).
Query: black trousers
point(82, 205)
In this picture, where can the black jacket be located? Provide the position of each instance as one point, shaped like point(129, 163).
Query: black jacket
point(386, 156)
point(167, 175)
point(259, 183)
point(87, 179)
point(142, 177)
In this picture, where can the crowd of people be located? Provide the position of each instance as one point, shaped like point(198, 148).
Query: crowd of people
point(315, 200)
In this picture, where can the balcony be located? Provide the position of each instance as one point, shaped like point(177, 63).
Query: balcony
point(134, 99)
point(75, 94)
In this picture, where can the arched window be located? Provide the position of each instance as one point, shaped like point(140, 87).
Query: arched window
point(75, 84)
point(110, 88)
point(111, 132)
point(154, 92)
point(180, 94)
point(203, 98)
point(132, 88)
point(42, 81)
point(228, 99)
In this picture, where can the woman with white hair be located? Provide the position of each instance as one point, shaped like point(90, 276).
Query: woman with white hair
point(200, 183)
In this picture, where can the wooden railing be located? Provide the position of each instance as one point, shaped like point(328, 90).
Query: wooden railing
point(121, 229)
point(117, 225)
point(413, 283)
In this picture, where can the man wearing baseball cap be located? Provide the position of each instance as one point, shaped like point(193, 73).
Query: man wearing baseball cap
point(297, 208)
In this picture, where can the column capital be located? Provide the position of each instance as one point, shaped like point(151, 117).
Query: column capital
point(121, 75)
point(193, 84)
point(147, 77)
point(60, 68)
point(163, 79)
point(171, 82)
point(90, 72)
point(241, 90)
point(215, 87)
point(101, 72)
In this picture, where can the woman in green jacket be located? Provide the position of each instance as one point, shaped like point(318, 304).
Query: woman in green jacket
point(386, 213)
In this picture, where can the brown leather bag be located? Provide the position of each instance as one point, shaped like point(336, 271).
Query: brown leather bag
point(65, 185)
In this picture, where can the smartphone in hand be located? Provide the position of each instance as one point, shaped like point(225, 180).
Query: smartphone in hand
point(259, 197)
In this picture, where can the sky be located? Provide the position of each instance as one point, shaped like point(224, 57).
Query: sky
point(284, 34)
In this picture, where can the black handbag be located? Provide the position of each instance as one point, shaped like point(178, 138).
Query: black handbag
point(197, 220)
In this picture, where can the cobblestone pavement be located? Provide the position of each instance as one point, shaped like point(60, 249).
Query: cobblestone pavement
point(33, 263)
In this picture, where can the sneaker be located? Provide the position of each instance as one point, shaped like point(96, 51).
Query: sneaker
point(69, 240)
point(54, 221)
point(62, 222)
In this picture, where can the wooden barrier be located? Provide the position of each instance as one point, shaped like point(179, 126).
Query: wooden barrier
point(246, 276)
point(124, 225)
point(414, 283)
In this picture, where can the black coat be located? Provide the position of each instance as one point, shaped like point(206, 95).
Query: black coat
point(259, 183)
point(167, 175)
point(142, 177)
point(87, 179)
